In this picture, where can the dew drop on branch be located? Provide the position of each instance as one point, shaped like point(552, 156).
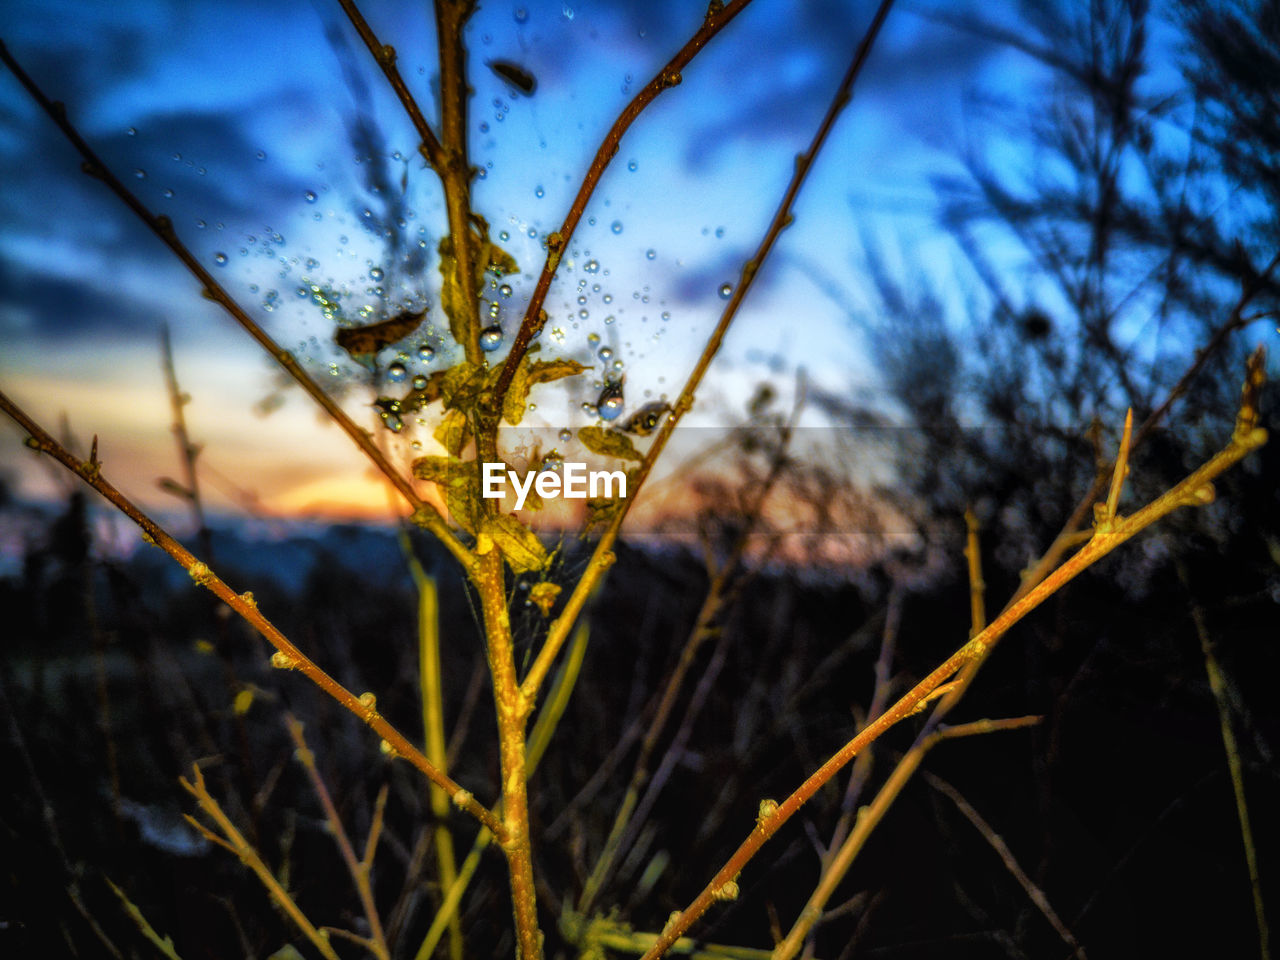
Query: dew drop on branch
point(611, 402)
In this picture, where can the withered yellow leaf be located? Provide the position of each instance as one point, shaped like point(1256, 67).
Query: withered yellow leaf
point(523, 550)
point(608, 443)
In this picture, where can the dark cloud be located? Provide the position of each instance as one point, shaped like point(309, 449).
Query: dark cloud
point(48, 308)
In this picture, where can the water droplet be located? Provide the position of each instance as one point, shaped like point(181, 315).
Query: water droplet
point(726, 291)
point(666, 315)
point(610, 404)
point(220, 259)
point(262, 155)
point(591, 266)
point(420, 382)
point(426, 352)
point(609, 319)
point(504, 236)
point(632, 165)
point(593, 338)
point(310, 196)
point(552, 461)
point(491, 338)
point(719, 233)
point(539, 192)
point(271, 300)
point(618, 365)
point(604, 353)
point(396, 372)
point(650, 254)
point(616, 226)
point(200, 224)
point(505, 289)
point(168, 193)
point(376, 273)
point(521, 15)
point(131, 132)
point(568, 12)
point(140, 174)
point(565, 435)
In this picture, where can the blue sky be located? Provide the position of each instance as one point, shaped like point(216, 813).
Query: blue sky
point(231, 117)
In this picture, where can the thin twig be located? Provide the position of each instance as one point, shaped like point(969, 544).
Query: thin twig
point(359, 869)
point(1196, 489)
point(385, 56)
point(1067, 537)
point(163, 944)
point(287, 656)
point(719, 591)
point(669, 76)
point(162, 227)
point(602, 558)
point(1218, 685)
point(1246, 429)
point(861, 772)
point(235, 842)
point(977, 586)
point(996, 842)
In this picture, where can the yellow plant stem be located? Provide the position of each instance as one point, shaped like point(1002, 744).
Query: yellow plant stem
point(548, 718)
point(432, 689)
point(454, 165)
point(977, 586)
point(512, 712)
point(236, 843)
